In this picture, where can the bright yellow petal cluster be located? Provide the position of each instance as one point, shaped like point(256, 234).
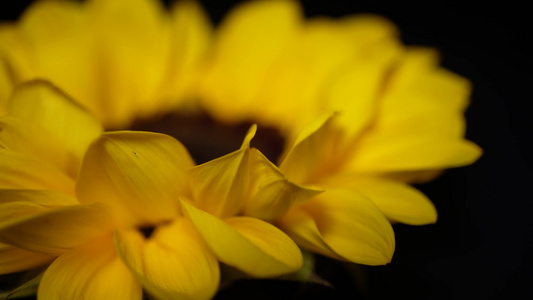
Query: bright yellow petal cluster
point(81, 199)
point(121, 59)
point(364, 114)
point(284, 73)
point(223, 192)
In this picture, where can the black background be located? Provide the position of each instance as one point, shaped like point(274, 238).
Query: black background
point(481, 247)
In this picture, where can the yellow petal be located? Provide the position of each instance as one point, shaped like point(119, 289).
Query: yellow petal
point(354, 91)
point(413, 153)
point(342, 224)
point(398, 201)
point(132, 39)
point(38, 197)
point(422, 99)
point(219, 186)
point(43, 21)
point(302, 228)
point(192, 34)
point(6, 87)
point(42, 221)
point(173, 263)
point(413, 177)
point(314, 153)
point(110, 41)
point(50, 38)
point(251, 245)
point(271, 194)
point(14, 57)
point(420, 123)
point(420, 76)
point(410, 114)
point(57, 116)
point(367, 30)
point(45, 31)
point(13, 259)
point(322, 70)
point(140, 174)
point(21, 171)
point(21, 136)
point(91, 271)
point(247, 43)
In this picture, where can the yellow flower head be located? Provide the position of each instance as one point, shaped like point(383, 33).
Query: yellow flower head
point(363, 116)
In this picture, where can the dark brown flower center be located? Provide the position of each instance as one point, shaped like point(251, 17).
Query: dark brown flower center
point(207, 139)
point(146, 230)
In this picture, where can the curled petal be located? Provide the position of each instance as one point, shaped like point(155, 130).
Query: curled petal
point(173, 263)
point(219, 186)
point(140, 174)
point(14, 259)
point(251, 245)
point(91, 271)
point(314, 152)
point(344, 225)
point(271, 194)
point(44, 226)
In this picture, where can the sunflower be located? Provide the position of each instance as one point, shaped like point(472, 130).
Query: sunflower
point(361, 118)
